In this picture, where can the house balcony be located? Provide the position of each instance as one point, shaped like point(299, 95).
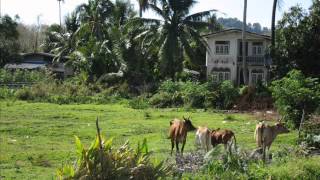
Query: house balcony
point(254, 60)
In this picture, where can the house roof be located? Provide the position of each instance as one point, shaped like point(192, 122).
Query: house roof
point(24, 66)
point(238, 31)
point(38, 53)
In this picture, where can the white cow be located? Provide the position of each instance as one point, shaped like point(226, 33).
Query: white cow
point(203, 138)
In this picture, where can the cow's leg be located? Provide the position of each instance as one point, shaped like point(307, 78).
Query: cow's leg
point(183, 143)
point(172, 145)
point(177, 147)
point(264, 153)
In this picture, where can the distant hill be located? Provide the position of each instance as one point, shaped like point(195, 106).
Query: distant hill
point(236, 23)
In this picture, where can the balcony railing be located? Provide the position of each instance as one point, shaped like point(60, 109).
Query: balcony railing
point(253, 60)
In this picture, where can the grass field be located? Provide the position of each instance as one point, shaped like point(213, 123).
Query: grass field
point(38, 138)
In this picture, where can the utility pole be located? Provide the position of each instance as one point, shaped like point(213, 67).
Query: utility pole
point(0, 8)
point(59, 1)
point(244, 48)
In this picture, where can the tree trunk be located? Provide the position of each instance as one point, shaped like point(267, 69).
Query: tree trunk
point(140, 11)
point(59, 11)
point(244, 63)
point(273, 27)
point(273, 23)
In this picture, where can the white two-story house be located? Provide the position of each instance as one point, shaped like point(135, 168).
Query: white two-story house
point(224, 56)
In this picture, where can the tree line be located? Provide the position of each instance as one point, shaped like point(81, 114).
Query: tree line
point(108, 40)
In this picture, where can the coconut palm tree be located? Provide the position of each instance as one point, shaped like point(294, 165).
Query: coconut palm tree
point(59, 1)
point(143, 5)
point(276, 3)
point(94, 18)
point(244, 61)
point(176, 30)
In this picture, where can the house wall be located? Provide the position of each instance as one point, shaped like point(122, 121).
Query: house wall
point(229, 61)
point(214, 60)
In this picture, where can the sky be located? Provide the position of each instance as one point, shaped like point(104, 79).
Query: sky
point(48, 11)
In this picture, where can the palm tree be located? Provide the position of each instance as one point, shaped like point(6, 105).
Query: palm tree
point(175, 32)
point(244, 63)
point(93, 18)
point(59, 1)
point(276, 3)
point(143, 5)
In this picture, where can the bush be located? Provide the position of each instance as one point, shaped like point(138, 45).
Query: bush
point(286, 164)
point(194, 94)
point(113, 163)
point(6, 93)
point(228, 94)
point(254, 98)
point(164, 99)
point(293, 93)
point(24, 94)
point(139, 103)
point(7, 76)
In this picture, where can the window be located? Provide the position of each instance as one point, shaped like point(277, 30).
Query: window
point(219, 76)
point(257, 48)
point(222, 47)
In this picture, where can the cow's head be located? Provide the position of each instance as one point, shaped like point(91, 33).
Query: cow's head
point(188, 124)
point(281, 128)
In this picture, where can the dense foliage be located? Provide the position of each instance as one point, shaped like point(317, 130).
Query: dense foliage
point(298, 41)
point(295, 93)
point(286, 164)
point(112, 163)
point(195, 95)
point(9, 46)
point(23, 76)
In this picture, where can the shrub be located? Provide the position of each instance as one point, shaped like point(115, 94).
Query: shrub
point(139, 103)
point(293, 93)
point(164, 99)
point(254, 97)
point(6, 93)
point(112, 163)
point(24, 94)
point(227, 94)
point(194, 94)
point(7, 76)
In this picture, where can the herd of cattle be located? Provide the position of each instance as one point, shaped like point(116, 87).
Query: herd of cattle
point(264, 135)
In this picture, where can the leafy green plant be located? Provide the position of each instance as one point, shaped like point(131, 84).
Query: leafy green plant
point(139, 103)
point(293, 93)
point(112, 163)
point(6, 93)
point(194, 94)
point(227, 94)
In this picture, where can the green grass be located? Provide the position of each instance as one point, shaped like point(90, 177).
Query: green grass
point(38, 138)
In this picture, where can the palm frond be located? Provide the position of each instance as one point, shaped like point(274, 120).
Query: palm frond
point(200, 15)
point(197, 24)
point(181, 6)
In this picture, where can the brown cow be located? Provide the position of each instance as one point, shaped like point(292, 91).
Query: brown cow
point(222, 137)
point(266, 134)
point(178, 132)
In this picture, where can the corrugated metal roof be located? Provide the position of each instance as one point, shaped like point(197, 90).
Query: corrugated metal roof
point(24, 66)
point(236, 30)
